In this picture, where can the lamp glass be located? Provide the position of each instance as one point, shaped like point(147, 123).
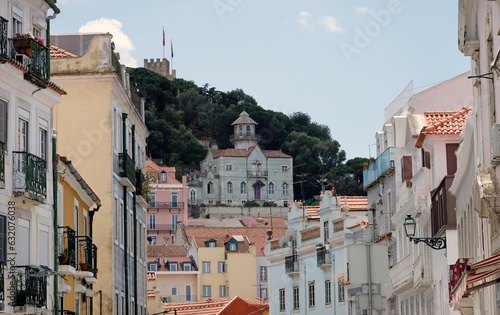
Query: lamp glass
point(409, 226)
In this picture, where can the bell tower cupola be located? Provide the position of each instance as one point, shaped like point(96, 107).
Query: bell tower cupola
point(244, 135)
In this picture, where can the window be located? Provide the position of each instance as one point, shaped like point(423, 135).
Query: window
point(285, 189)
point(23, 241)
point(326, 231)
point(207, 291)
point(285, 203)
point(3, 121)
point(153, 199)
point(263, 273)
point(43, 244)
point(172, 266)
point(211, 243)
point(163, 176)
point(192, 195)
point(284, 168)
point(152, 221)
point(222, 267)
point(206, 267)
point(174, 221)
point(153, 266)
point(174, 290)
point(241, 131)
point(174, 200)
point(210, 188)
point(36, 32)
point(233, 246)
point(271, 188)
point(43, 138)
point(248, 131)
point(230, 201)
point(328, 292)
point(229, 167)
point(153, 239)
point(312, 297)
point(341, 290)
point(282, 300)
point(188, 293)
point(222, 291)
point(243, 187)
point(296, 298)
point(22, 135)
point(186, 267)
point(17, 21)
point(229, 187)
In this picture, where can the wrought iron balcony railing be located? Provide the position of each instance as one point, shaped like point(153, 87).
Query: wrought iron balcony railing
point(2, 282)
point(87, 255)
point(2, 163)
point(162, 227)
point(68, 245)
point(3, 40)
point(30, 174)
point(291, 264)
point(31, 286)
point(245, 136)
point(323, 256)
point(167, 205)
point(383, 163)
point(258, 173)
point(33, 55)
point(126, 167)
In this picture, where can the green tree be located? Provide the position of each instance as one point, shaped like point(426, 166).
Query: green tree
point(348, 178)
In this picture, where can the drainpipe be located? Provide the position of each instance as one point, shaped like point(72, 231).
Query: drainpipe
point(125, 215)
point(55, 224)
point(91, 216)
point(47, 34)
point(134, 217)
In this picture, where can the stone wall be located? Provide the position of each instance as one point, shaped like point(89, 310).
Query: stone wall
point(235, 212)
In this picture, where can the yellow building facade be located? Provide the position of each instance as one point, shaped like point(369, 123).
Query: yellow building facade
point(77, 253)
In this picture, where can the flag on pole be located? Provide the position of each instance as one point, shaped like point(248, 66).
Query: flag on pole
point(163, 36)
point(172, 48)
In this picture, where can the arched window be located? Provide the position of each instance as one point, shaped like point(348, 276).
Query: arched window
point(243, 187)
point(241, 131)
point(271, 188)
point(163, 176)
point(192, 195)
point(285, 189)
point(229, 187)
point(210, 188)
point(248, 131)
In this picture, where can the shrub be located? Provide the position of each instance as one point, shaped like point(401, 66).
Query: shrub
point(251, 204)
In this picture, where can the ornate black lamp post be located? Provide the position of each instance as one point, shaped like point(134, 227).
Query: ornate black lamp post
point(433, 242)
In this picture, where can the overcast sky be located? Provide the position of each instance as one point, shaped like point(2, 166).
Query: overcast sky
point(341, 62)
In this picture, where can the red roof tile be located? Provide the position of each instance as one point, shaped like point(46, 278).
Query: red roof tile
point(166, 251)
point(219, 306)
point(443, 123)
point(58, 53)
point(275, 154)
point(355, 203)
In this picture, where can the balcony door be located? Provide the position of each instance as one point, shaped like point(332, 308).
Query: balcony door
point(188, 293)
point(174, 200)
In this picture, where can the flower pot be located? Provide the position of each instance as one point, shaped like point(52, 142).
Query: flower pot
point(27, 52)
point(63, 260)
point(84, 267)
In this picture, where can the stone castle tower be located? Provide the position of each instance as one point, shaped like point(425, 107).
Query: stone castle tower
point(160, 67)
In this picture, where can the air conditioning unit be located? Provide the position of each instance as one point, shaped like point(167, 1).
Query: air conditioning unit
point(495, 143)
point(165, 260)
point(23, 59)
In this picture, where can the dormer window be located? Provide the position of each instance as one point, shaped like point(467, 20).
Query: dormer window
point(233, 246)
point(163, 176)
point(211, 243)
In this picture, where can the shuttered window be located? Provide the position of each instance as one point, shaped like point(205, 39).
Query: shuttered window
point(3, 240)
point(43, 245)
point(406, 170)
point(3, 121)
point(23, 242)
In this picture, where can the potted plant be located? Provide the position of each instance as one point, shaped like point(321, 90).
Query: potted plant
point(67, 257)
point(84, 266)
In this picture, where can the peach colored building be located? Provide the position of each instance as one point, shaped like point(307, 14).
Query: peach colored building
point(168, 205)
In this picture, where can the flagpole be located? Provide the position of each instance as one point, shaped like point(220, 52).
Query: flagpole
point(172, 55)
point(163, 42)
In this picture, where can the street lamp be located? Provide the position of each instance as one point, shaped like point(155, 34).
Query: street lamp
point(433, 242)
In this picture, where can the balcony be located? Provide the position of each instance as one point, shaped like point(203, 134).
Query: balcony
point(3, 40)
point(126, 171)
point(383, 166)
point(141, 189)
point(34, 56)
point(29, 176)
point(3, 147)
point(162, 227)
point(245, 136)
point(2, 283)
point(30, 286)
point(87, 259)
point(257, 173)
point(422, 274)
point(292, 264)
point(443, 213)
point(323, 257)
point(67, 257)
point(401, 274)
point(166, 205)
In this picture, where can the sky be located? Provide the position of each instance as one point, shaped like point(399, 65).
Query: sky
point(341, 62)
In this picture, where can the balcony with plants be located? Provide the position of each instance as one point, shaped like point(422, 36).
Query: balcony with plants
point(86, 259)
point(30, 288)
point(67, 254)
point(126, 171)
point(29, 176)
point(31, 53)
point(379, 168)
point(142, 189)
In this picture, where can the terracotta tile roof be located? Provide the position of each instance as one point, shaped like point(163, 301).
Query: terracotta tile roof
point(166, 251)
point(312, 212)
point(151, 275)
point(244, 118)
point(275, 154)
point(234, 306)
point(356, 203)
point(443, 123)
point(151, 293)
point(58, 53)
point(232, 152)
point(256, 235)
point(51, 85)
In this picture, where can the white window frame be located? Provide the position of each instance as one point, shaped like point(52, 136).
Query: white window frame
point(311, 294)
point(173, 266)
point(174, 290)
point(229, 167)
point(282, 300)
point(229, 186)
point(285, 189)
point(243, 188)
point(284, 168)
point(205, 266)
point(296, 297)
point(207, 291)
point(221, 267)
point(222, 291)
point(328, 292)
point(271, 188)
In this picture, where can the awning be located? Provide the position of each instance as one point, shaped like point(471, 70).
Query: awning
point(259, 182)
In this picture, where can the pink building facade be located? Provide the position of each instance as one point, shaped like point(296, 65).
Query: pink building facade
point(168, 205)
